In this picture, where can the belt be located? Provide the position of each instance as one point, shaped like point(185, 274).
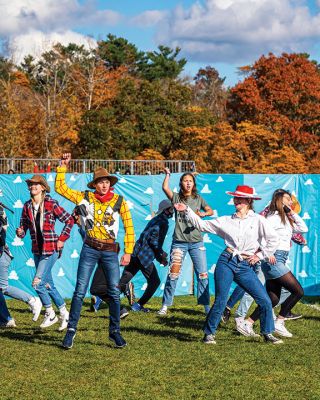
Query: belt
point(102, 244)
point(243, 256)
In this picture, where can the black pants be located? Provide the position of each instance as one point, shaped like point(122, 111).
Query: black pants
point(99, 284)
point(150, 273)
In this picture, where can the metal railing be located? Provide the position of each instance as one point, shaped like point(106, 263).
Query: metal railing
point(130, 167)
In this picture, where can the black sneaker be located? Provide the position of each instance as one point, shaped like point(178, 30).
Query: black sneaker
point(117, 339)
point(226, 315)
point(67, 342)
point(291, 316)
point(269, 338)
point(123, 312)
point(129, 293)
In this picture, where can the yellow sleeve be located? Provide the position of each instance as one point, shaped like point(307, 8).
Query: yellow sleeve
point(128, 227)
point(62, 188)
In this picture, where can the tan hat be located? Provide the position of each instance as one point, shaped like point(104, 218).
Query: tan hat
point(102, 173)
point(163, 205)
point(40, 180)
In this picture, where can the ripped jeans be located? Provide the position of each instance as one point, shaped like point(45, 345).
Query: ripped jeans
point(46, 288)
point(197, 253)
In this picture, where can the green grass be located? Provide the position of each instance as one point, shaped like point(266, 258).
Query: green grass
point(164, 359)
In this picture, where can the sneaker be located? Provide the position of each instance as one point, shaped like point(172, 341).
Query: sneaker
point(269, 338)
point(50, 318)
point(209, 339)
point(238, 320)
point(246, 329)
point(9, 324)
point(280, 329)
point(117, 339)
point(163, 310)
point(123, 313)
point(64, 319)
point(291, 316)
point(96, 302)
point(35, 307)
point(67, 342)
point(136, 307)
point(129, 293)
point(226, 315)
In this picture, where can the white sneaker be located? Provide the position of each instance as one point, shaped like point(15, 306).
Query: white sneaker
point(50, 318)
point(9, 324)
point(64, 319)
point(280, 329)
point(246, 329)
point(35, 306)
point(238, 321)
point(163, 310)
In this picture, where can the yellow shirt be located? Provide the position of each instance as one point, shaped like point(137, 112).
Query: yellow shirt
point(104, 223)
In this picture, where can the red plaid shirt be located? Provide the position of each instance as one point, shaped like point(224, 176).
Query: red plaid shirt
point(51, 212)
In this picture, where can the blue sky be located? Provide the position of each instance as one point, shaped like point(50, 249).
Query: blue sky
point(222, 33)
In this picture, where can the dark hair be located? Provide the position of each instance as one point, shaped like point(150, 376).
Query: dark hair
point(194, 192)
point(276, 204)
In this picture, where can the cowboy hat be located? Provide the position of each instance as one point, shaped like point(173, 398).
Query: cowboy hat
point(163, 205)
point(39, 179)
point(245, 192)
point(100, 173)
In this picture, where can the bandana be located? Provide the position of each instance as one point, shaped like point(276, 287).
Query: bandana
point(106, 197)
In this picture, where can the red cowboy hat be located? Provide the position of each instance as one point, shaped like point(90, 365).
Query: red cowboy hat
point(245, 191)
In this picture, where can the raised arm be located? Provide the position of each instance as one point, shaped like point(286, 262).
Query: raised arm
point(61, 186)
point(165, 184)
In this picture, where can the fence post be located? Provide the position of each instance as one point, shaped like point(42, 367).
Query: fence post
point(84, 166)
point(179, 167)
point(131, 167)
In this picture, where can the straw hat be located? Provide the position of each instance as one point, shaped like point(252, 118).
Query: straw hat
point(39, 179)
point(245, 192)
point(99, 174)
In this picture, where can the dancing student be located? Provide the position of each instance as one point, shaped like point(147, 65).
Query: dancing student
point(186, 239)
point(38, 216)
point(6, 321)
point(100, 211)
point(5, 260)
point(249, 238)
point(285, 222)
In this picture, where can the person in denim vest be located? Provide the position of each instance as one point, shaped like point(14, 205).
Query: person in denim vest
point(285, 222)
point(249, 238)
point(186, 239)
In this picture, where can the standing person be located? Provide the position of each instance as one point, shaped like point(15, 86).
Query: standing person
point(285, 222)
point(249, 238)
point(147, 248)
point(6, 321)
point(100, 212)
point(39, 215)
point(186, 239)
point(5, 260)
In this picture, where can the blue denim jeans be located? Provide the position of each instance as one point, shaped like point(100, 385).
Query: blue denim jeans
point(46, 288)
point(4, 312)
point(197, 252)
point(230, 269)
point(89, 258)
point(11, 291)
point(245, 299)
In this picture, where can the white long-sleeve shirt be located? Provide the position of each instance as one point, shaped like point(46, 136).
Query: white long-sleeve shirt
point(244, 235)
point(285, 231)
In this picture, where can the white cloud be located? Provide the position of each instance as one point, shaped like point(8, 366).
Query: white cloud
point(149, 18)
point(240, 30)
point(30, 262)
point(149, 190)
point(13, 275)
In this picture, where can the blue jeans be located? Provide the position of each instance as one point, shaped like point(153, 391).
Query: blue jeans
point(11, 291)
point(197, 252)
point(89, 258)
point(230, 269)
point(240, 294)
point(4, 312)
point(46, 288)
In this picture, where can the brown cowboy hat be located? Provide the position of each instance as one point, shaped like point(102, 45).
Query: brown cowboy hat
point(40, 180)
point(99, 174)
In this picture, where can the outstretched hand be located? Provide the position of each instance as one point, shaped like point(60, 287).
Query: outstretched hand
point(65, 159)
point(180, 207)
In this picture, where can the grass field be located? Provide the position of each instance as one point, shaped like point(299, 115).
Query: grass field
point(164, 359)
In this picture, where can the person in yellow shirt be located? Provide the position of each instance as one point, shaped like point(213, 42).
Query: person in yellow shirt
point(100, 211)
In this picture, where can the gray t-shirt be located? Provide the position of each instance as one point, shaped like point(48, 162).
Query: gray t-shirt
point(184, 231)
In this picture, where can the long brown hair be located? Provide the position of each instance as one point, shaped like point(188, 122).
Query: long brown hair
point(277, 205)
point(194, 192)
